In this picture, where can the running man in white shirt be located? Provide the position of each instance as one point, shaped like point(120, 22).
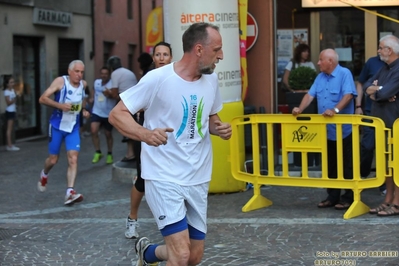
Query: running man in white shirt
point(68, 100)
point(102, 105)
point(181, 101)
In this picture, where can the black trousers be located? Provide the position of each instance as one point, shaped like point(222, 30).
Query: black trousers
point(334, 195)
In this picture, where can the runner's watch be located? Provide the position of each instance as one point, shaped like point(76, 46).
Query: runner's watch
point(336, 110)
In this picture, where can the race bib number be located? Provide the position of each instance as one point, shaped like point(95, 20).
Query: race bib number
point(75, 108)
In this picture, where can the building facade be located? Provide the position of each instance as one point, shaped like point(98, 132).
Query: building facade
point(353, 30)
point(119, 29)
point(39, 38)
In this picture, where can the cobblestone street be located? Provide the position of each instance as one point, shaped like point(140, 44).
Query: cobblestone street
point(37, 229)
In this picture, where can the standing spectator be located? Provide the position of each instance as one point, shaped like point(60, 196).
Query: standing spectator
point(334, 89)
point(69, 92)
point(181, 102)
point(162, 55)
point(102, 105)
point(11, 110)
point(122, 79)
point(367, 144)
point(383, 88)
point(301, 58)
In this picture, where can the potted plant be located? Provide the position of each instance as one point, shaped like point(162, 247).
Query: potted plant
point(301, 78)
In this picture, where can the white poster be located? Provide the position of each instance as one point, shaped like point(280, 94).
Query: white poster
point(285, 40)
point(180, 14)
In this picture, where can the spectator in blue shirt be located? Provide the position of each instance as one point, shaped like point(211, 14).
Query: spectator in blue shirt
point(334, 89)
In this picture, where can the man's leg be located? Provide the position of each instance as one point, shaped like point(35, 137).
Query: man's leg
point(136, 195)
point(72, 167)
point(333, 194)
point(131, 222)
point(110, 140)
point(367, 146)
point(347, 197)
point(54, 145)
point(179, 249)
point(135, 199)
point(95, 127)
point(130, 151)
point(72, 143)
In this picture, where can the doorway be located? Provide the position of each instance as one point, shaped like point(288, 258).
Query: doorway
point(26, 72)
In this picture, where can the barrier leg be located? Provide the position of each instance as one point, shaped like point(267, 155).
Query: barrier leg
point(257, 201)
point(357, 208)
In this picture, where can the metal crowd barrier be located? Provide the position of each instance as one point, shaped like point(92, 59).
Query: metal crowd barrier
point(306, 134)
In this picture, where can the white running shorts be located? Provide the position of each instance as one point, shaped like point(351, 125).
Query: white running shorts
point(170, 202)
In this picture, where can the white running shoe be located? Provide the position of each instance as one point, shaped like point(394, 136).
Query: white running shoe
point(141, 245)
point(131, 228)
point(73, 197)
point(12, 148)
point(41, 185)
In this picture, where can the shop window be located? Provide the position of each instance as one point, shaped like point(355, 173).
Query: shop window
point(386, 26)
point(130, 9)
point(338, 31)
point(131, 56)
point(107, 50)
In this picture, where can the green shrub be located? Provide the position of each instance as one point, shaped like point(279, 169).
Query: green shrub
point(301, 78)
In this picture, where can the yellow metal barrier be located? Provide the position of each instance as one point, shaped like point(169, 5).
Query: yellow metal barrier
point(395, 151)
point(306, 134)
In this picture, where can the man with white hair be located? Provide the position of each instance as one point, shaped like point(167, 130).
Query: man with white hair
point(68, 101)
point(383, 89)
point(335, 89)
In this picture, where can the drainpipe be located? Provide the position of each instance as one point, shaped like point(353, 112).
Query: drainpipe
point(140, 29)
point(93, 35)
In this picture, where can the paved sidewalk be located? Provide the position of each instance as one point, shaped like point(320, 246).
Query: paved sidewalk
point(37, 229)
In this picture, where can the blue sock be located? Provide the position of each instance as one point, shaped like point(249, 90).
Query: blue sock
point(149, 254)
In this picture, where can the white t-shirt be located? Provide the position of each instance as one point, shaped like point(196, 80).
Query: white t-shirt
point(102, 105)
point(12, 95)
point(170, 101)
point(306, 64)
point(122, 78)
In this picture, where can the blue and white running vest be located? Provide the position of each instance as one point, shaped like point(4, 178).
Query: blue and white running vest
point(68, 121)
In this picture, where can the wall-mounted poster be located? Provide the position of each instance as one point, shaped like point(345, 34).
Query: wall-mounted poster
point(300, 36)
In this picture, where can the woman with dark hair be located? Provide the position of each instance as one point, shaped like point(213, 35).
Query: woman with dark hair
point(145, 61)
point(11, 110)
point(301, 58)
point(161, 55)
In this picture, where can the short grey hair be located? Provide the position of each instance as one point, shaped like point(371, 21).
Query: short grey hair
point(74, 62)
point(392, 42)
